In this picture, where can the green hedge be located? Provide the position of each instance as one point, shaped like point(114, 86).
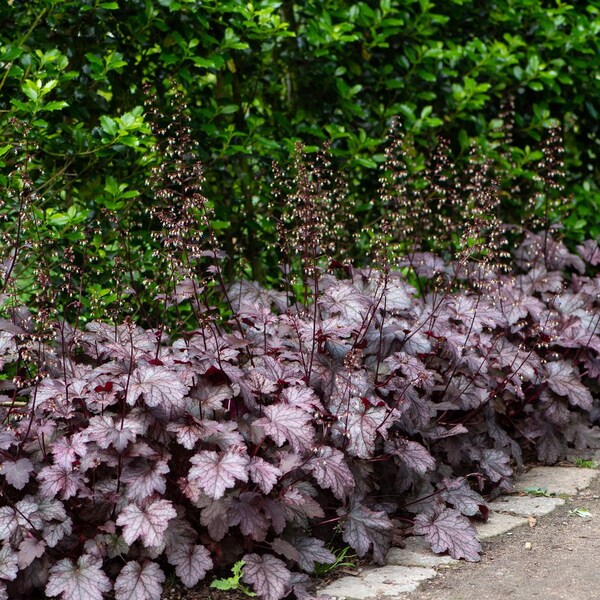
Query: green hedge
point(255, 77)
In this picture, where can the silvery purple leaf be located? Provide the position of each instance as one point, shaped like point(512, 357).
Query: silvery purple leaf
point(412, 454)
point(590, 252)
point(285, 423)
point(268, 576)
point(494, 463)
point(158, 386)
point(462, 497)
point(56, 480)
point(264, 474)
point(29, 549)
point(77, 581)
point(366, 528)
point(310, 552)
point(247, 511)
point(191, 563)
point(139, 582)
point(16, 472)
point(448, 531)
point(8, 563)
point(328, 466)
point(148, 523)
point(565, 381)
point(214, 473)
point(215, 517)
point(144, 478)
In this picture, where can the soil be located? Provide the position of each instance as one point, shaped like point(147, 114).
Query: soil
point(554, 560)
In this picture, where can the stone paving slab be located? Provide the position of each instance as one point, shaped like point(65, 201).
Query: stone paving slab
point(412, 558)
point(379, 583)
point(526, 506)
point(407, 567)
point(497, 524)
point(556, 480)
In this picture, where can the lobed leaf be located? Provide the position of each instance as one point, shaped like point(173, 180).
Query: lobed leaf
point(139, 582)
point(78, 581)
point(366, 528)
point(148, 523)
point(214, 472)
point(267, 575)
point(448, 531)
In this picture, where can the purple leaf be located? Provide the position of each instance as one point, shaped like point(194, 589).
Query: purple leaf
point(412, 368)
point(590, 252)
point(247, 512)
point(358, 424)
point(30, 549)
point(149, 523)
point(365, 528)
point(285, 549)
point(538, 279)
point(267, 575)
point(299, 506)
point(7, 438)
point(8, 522)
point(329, 468)
point(137, 582)
point(565, 381)
point(215, 517)
point(549, 446)
point(525, 363)
point(285, 423)
point(179, 533)
point(223, 434)
point(397, 294)
point(188, 433)
point(465, 393)
point(211, 397)
point(54, 532)
point(8, 563)
point(55, 479)
point(493, 462)
point(158, 385)
point(347, 301)
point(311, 551)
point(191, 563)
point(17, 472)
point(412, 454)
point(264, 474)
point(75, 582)
point(301, 397)
point(105, 432)
point(581, 435)
point(50, 508)
point(67, 450)
point(462, 497)
point(447, 530)
point(214, 473)
point(276, 513)
point(145, 478)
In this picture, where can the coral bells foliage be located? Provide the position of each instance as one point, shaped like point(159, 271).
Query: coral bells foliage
point(369, 412)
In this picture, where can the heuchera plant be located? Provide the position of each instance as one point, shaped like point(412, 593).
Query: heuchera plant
point(368, 410)
point(362, 402)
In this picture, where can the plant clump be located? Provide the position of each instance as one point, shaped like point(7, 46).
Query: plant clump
point(360, 403)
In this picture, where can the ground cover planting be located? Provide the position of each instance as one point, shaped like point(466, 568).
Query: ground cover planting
point(283, 283)
point(353, 404)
